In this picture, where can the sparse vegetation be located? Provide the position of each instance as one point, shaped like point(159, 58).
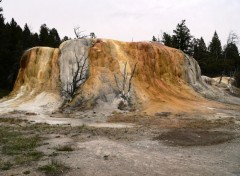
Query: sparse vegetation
point(18, 146)
point(5, 165)
point(54, 168)
point(19, 138)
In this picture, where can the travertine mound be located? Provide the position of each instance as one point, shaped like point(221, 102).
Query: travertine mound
point(164, 79)
point(37, 84)
point(161, 80)
point(39, 71)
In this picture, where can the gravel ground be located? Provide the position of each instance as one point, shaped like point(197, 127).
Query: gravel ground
point(167, 144)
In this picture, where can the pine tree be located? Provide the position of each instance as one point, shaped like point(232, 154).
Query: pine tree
point(167, 39)
point(182, 38)
point(232, 58)
point(54, 38)
point(2, 30)
point(15, 49)
point(44, 35)
point(27, 37)
point(3, 51)
point(215, 47)
point(49, 37)
point(65, 38)
point(13, 41)
point(35, 39)
point(231, 51)
point(199, 48)
point(154, 39)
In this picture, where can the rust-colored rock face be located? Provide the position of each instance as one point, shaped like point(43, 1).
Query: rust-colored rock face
point(159, 83)
point(38, 70)
point(37, 84)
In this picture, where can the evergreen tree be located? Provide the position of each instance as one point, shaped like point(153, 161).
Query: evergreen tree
point(35, 39)
point(65, 38)
point(199, 49)
point(231, 51)
point(167, 39)
point(3, 51)
point(15, 49)
point(182, 38)
point(2, 30)
point(231, 55)
point(44, 35)
point(27, 37)
point(54, 39)
point(49, 37)
point(13, 41)
point(154, 39)
point(215, 47)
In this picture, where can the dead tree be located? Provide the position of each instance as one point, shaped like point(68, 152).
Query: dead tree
point(79, 76)
point(122, 86)
point(79, 34)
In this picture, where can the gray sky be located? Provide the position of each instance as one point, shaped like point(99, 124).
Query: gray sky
point(128, 19)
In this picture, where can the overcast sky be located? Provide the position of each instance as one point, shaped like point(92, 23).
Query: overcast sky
point(128, 19)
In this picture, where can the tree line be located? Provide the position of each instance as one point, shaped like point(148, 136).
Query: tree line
point(14, 40)
point(213, 59)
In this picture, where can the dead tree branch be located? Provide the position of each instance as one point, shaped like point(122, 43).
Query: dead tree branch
point(124, 78)
point(130, 80)
point(79, 34)
point(79, 76)
point(122, 85)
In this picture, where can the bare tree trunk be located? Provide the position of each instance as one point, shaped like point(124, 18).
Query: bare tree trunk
point(124, 79)
point(130, 80)
point(79, 76)
point(125, 94)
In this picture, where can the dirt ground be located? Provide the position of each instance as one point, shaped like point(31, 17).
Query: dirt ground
point(101, 144)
